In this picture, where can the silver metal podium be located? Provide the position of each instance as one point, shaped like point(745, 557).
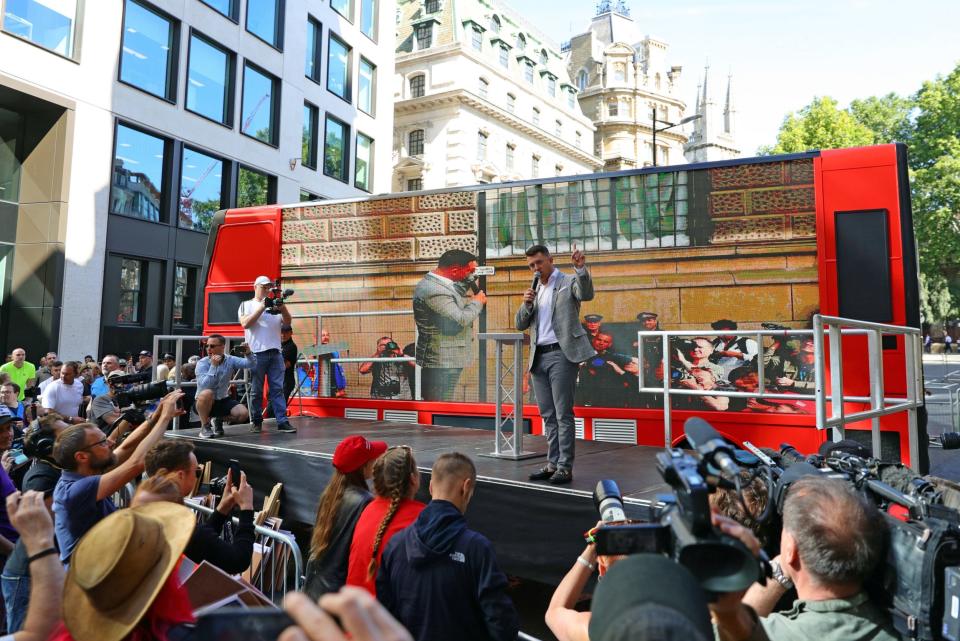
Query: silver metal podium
point(508, 398)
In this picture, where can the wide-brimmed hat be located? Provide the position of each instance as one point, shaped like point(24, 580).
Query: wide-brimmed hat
point(119, 567)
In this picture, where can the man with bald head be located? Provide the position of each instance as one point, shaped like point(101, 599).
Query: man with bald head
point(439, 578)
point(21, 371)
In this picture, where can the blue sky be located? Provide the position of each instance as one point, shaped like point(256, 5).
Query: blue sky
point(783, 52)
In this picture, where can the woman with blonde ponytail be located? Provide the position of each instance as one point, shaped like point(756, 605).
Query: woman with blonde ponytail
point(396, 480)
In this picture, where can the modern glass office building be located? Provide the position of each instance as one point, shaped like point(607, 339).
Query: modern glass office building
point(125, 125)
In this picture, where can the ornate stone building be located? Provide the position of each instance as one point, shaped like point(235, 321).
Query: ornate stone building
point(713, 132)
point(481, 96)
point(626, 85)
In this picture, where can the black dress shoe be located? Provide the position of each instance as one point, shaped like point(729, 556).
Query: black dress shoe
point(561, 477)
point(543, 473)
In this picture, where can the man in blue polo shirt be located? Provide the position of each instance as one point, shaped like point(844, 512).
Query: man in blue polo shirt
point(93, 470)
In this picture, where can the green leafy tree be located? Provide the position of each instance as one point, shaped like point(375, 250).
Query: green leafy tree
point(888, 117)
point(936, 302)
point(820, 125)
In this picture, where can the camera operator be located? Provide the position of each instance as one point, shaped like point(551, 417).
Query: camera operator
point(214, 373)
point(103, 409)
point(262, 333)
point(832, 539)
point(93, 470)
point(65, 396)
point(389, 379)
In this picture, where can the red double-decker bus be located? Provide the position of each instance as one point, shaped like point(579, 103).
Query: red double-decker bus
point(734, 245)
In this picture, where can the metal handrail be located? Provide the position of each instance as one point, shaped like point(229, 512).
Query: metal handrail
point(318, 328)
point(244, 374)
point(824, 328)
point(278, 538)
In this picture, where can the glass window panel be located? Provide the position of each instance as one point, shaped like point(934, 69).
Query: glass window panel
point(415, 146)
point(363, 169)
point(338, 68)
point(263, 17)
point(184, 291)
point(571, 100)
point(148, 51)
point(137, 174)
point(511, 102)
point(551, 85)
point(424, 32)
point(366, 86)
point(481, 146)
point(11, 132)
point(257, 115)
point(415, 184)
point(336, 161)
point(201, 182)
point(309, 147)
point(48, 23)
point(477, 38)
point(368, 18)
point(314, 46)
point(209, 81)
point(432, 6)
point(504, 56)
point(130, 278)
point(528, 73)
point(342, 7)
point(226, 7)
point(253, 188)
point(417, 86)
point(483, 88)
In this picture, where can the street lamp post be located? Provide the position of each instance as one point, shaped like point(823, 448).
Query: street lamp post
point(653, 126)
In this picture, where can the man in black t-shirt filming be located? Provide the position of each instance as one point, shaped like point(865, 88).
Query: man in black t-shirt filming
point(389, 379)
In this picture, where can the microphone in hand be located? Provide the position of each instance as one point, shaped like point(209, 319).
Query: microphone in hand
point(536, 280)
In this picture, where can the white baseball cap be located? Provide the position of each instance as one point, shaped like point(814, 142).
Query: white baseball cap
point(263, 280)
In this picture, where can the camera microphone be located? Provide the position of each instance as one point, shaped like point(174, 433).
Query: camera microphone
point(536, 279)
point(471, 282)
point(710, 445)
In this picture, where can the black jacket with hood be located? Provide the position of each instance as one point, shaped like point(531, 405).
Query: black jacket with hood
point(441, 580)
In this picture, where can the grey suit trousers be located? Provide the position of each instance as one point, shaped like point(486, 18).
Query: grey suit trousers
point(554, 380)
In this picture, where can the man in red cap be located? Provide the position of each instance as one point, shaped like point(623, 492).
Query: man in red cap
point(340, 506)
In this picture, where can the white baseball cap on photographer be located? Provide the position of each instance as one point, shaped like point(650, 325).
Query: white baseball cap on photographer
point(262, 280)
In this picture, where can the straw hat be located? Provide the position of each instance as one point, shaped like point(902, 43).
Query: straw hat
point(119, 567)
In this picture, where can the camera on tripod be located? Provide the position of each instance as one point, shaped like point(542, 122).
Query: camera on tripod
point(277, 297)
point(683, 529)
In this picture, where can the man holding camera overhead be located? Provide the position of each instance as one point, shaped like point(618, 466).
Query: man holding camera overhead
point(261, 330)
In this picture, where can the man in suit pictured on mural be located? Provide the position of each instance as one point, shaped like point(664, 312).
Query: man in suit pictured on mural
point(558, 344)
point(446, 302)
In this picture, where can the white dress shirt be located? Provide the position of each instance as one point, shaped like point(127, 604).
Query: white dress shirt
point(545, 333)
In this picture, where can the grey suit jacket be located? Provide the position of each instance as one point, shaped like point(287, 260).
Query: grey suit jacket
point(444, 317)
point(568, 292)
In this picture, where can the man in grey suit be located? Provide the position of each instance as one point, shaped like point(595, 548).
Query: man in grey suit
point(444, 314)
point(558, 344)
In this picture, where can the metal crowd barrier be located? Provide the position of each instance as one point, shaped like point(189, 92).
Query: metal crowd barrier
point(825, 328)
point(270, 578)
point(952, 401)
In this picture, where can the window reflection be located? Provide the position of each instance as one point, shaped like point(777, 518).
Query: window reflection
point(338, 68)
point(201, 181)
point(263, 17)
point(48, 24)
point(257, 116)
point(368, 17)
point(363, 162)
point(184, 290)
point(336, 160)
point(308, 153)
point(342, 7)
point(226, 7)
point(148, 51)
point(209, 80)
point(137, 174)
point(366, 86)
point(253, 188)
point(131, 273)
point(313, 50)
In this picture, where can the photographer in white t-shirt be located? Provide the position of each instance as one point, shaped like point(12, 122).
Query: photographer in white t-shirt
point(262, 333)
point(65, 395)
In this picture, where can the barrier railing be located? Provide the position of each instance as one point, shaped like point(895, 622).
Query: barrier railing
point(270, 577)
point(825, 328)
point(323, 373)
point(241, 378)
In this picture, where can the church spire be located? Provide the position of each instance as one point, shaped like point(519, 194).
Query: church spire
point(728, 109)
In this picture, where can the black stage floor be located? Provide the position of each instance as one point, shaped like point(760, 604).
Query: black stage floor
point(536, 528)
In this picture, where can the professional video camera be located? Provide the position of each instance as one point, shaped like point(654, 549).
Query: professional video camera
point(136, 389)
point(683, 529)
point(277, 297)
point(919, 582)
